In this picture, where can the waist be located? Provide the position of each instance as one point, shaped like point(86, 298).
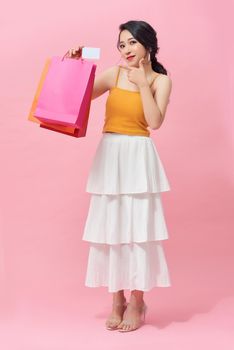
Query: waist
point(124, 132)
point(110, 138)
point(128, 128)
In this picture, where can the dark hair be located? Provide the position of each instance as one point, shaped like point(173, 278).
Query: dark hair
point(147, 36)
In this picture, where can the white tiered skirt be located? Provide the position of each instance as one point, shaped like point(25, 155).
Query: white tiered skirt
point(125, 225)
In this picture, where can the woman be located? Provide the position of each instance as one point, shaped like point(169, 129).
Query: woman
point(125, 223)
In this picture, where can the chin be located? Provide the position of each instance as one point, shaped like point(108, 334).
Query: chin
point(136, 63)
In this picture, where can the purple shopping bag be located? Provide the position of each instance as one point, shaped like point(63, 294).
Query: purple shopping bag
point(66, 92)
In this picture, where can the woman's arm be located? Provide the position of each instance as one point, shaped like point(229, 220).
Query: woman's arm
point(103, 82)
point(155, 106)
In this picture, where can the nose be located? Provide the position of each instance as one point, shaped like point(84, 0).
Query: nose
point(127, 50)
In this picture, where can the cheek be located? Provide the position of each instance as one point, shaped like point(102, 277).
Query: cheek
point(140, 50)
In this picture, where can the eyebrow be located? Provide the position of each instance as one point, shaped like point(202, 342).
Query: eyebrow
point(128, 39)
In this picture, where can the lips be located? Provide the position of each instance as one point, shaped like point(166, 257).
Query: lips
point(130, 57)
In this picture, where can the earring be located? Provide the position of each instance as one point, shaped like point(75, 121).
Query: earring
point(149, 59)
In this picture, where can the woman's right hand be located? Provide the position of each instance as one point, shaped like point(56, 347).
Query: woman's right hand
point(75, 52)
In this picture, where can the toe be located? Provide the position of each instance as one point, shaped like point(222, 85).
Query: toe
point(126, 327)
point(110, 323)
point(121, 324)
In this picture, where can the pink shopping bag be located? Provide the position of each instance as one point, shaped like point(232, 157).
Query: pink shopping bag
point(65, 96)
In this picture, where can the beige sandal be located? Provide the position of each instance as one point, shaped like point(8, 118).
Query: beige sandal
point(143, 312)
point(124, 305)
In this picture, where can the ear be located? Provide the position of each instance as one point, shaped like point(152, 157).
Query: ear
point(141, 62)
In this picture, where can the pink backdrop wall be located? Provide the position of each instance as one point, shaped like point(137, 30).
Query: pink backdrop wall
point(43, 203)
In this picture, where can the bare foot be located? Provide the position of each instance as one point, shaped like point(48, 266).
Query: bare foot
point(132, 316)
point(116, 315)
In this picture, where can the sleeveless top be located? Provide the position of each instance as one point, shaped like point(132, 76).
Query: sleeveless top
point(124, 112)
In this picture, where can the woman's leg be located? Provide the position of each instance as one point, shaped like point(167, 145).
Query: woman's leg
point(118, 308)
point(132, 315)
point(136, 298)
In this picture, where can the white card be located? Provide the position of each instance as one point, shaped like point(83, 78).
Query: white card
point(91, 52)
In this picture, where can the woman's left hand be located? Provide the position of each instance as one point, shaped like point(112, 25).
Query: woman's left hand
point(137, 75)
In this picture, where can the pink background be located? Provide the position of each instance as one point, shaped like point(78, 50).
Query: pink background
point(43, 204)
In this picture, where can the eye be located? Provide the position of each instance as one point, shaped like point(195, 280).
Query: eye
point(131, 42)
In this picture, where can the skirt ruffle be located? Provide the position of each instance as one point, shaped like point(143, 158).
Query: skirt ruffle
point(125, 218)
point(140, 266)
point(126, 164)
point(125, 224)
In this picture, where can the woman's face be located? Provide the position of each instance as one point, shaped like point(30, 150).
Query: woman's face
point(129, 46)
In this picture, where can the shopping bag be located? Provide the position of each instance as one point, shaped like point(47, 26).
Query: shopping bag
point(69, 130)
point(66, 92)
point(63, 96)
point(38, 91)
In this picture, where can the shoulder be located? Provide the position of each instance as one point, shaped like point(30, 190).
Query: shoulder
point(116, 68)
point(162, 79)
point(162, 82)
point(113, 70)
point(111, 74)
point(107, 76)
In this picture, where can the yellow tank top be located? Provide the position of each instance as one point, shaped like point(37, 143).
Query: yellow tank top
point(124, 112)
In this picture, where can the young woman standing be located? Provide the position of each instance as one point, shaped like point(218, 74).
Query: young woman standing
point(125, 224)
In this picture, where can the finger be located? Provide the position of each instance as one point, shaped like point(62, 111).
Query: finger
point(78, 51)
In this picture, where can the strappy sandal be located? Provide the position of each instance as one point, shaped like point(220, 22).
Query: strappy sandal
point(142, 320)
point(124, 306)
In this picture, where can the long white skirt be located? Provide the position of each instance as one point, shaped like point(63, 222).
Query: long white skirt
point(125, 224)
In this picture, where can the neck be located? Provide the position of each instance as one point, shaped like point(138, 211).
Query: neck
point(148, 68)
